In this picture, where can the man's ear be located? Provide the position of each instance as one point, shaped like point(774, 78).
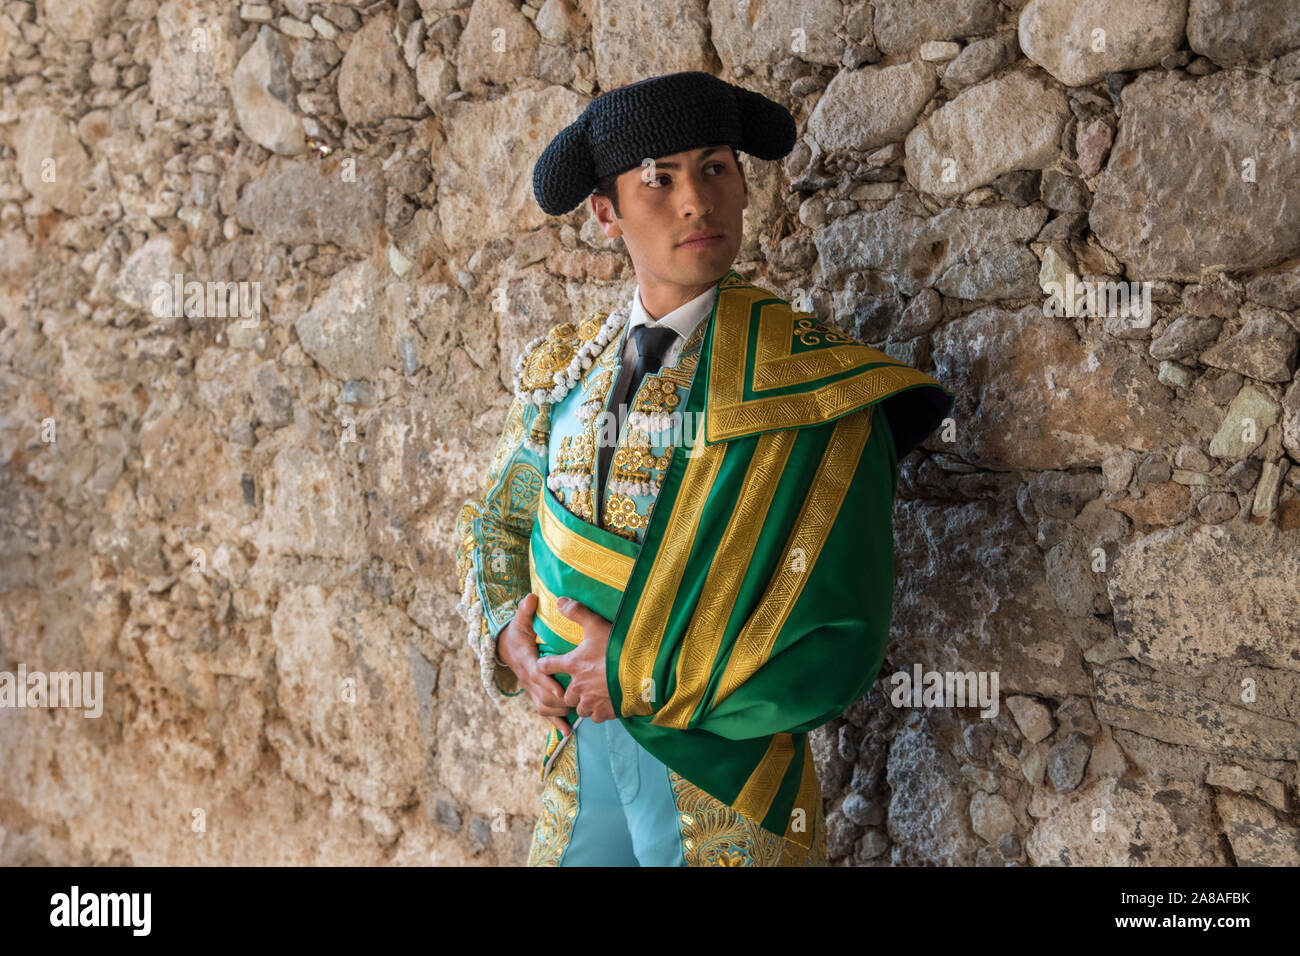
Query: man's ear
point(603, 210)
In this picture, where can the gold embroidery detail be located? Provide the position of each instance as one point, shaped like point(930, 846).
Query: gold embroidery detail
point(598, 385)
point(634, 463)
point(812, 333)
point(704, 634)
point(511, 433)
point(646, 630)
point(814, 855)
point(812, 527)
point(589, 327)
point(548, 611)
point(540, 431)
point(776, 365)
point(713, 834)
point(656, 395)
point(585, 556)
point(574, 457)
point(577, 452)
point(756, 796)
point(556, 352)
point(553, 354)
point(584, 505)
point(634, 459)
point(622, 518)
point(559, 810)
point(731, 414)
point(504, 538)
point(808, 799)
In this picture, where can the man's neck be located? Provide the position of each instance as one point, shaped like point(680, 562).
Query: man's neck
point(660, 300)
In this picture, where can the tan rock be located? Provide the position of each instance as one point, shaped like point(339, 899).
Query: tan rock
point(1080, 43)
point(496, 47)
point(485, 189)
point(747, 35)
point(863, 109)
point(1056, 410)
point(1114, 823)
point(374, 82)
point(1258, 836)
point(1165, 504)
point(51, 160)
point(1011, 122)
point(264, 94)
point(77, 19)
point(1165, 213)
point(191, 75)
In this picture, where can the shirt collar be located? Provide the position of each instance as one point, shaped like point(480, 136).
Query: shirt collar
point(681, 320)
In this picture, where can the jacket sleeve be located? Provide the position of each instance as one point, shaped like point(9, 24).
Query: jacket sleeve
point(493, 530)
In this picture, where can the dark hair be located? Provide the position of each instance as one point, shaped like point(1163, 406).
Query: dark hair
point(608, 186)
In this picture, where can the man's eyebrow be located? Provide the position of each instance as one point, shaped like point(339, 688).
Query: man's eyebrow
point(664, 164)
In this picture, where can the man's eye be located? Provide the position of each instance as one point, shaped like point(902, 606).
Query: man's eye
point(654, 180)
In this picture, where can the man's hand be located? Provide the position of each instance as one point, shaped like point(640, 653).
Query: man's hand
point(585, 664)
point(517, 646)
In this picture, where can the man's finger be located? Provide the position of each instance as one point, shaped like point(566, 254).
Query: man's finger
point(554, 663)
point(561, 725)
point(575, 610)
point(553, 690)
point(545, 691)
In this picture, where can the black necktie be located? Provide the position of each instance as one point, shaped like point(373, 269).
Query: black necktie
point(652, 344)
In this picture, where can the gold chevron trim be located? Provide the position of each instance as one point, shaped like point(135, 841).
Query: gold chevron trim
point(760, 789)
point(594, 560)
point(817, 517)
point(548, 611)
point(809, 790)
point(776, 366)
point(650, 619)
point(739, 540)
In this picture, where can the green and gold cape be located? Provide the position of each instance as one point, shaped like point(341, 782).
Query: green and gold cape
point(757, 607)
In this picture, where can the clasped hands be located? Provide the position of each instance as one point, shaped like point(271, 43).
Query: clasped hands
point(585, 664)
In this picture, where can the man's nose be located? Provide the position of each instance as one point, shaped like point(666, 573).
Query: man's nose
point(695, 196)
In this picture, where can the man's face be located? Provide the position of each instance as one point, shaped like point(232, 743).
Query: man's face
point(661, 205)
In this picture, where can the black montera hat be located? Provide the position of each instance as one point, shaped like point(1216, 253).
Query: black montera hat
point(651, 118)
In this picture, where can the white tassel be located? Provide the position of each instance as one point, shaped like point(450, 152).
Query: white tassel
point(558, 480)
point(566, 379)
point(471, 611)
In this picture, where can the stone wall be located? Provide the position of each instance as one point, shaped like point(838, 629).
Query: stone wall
point(244, 517)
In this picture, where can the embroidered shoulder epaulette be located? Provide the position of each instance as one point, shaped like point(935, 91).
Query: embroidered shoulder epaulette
point(772, 367)
point(553, 362)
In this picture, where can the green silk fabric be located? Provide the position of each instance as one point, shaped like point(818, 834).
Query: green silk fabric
point(830, 648)
point(565, 581)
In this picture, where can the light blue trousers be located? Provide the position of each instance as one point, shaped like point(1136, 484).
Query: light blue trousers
point(626, 815)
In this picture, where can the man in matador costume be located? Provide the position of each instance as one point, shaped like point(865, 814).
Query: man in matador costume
point(683, 551)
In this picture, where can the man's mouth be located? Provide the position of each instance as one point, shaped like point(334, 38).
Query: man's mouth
point(701, 240)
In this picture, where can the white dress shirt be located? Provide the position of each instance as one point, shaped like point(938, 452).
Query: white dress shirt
point(681, 320)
